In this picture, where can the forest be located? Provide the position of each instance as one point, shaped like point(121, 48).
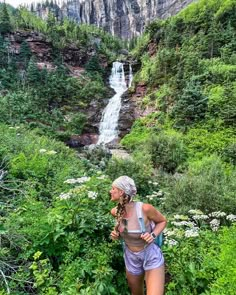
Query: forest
point(55, 217)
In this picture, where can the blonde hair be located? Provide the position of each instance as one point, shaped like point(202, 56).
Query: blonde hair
point(120, 211)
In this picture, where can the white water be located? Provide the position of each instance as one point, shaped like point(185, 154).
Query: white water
point(108, 126)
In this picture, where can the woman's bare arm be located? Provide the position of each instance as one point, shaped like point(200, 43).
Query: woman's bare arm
point(154, 215)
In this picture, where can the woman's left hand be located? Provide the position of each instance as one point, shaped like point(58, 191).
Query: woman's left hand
point(147, 238)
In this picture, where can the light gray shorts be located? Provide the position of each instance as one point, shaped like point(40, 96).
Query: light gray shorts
point(138, 262)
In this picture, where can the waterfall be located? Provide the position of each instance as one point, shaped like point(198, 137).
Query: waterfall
point(108, 126)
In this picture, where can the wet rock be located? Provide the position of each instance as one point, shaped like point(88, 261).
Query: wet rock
point(127, 115)
point(82, 140)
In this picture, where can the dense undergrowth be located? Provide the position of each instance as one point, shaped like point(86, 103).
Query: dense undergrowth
point(187, 64)
point(54, 203)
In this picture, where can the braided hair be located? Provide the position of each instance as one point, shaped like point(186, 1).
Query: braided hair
point(120, 211)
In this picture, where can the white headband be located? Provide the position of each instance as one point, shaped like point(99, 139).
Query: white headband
point(126, 184)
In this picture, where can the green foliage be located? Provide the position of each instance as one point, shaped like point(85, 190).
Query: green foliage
point(76, 122)
point(185, 264)
point(197, 255)
point(138, 135)
point(54, 217)
point(167, 151)
point(5, 22)
point(191, 106)
point(208, 185)
point(93, 65)
point(201, 141)
point(25, 53)
point(67, 32)
point(224, 282)
point(139, 168)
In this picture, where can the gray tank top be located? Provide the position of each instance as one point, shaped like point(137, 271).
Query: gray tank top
point(130, 228)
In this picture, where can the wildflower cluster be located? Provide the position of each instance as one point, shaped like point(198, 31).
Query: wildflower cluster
point(77, 180)
point(231, 217)
point(155, 195)
point(44, 151)
point(184, 226)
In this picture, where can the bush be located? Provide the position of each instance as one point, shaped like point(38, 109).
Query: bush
point(139, 168)
point(201, 141)
point(225, 261)
point(209, 185)
point(167, 151)
point(185, 264)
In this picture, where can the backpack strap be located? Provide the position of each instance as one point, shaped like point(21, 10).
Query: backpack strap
point(140, 216)
point(159, 239)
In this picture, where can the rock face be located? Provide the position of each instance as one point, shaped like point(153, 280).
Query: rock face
point(124, 18)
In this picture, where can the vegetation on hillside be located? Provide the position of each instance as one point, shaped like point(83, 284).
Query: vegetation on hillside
point(52, 100)
point(188, 66)
point(54, 203)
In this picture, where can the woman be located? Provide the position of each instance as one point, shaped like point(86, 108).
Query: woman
point(143, 258)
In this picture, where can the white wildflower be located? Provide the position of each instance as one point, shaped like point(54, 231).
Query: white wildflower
point(155, 183)
point(172, 242)
point(42, 151)
point(169, 233)
point(183, 223)
point(231, 217)
point(92, 195)
point(64, 196)
point(159, 194)
point(101, 177)
point(77, 180)
point(150, 197)
point(51, 152)
point(214, 224)
point(14, 127)
point(200, 217)
point(191, 233)
point(217, 214)
point(195, 212)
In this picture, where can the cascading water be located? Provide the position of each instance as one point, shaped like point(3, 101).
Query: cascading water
point(109, 123)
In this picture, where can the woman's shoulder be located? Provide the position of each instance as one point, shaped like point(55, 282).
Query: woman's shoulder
point(148, 208)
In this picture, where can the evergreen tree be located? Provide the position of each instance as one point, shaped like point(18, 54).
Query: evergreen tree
point(5, 23)
point(33, 71)
point(25, 53)
point(3, 53)
point(191, 106)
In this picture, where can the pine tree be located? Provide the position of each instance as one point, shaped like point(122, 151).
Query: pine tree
point(5, 22)
point(3, 53)
point(33, 71)
point(25, 53)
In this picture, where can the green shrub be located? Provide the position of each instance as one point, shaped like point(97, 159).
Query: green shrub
point(185, 264)
point(209, 185)
point(138, 136)
point(167, 151)
point(139, 168)
point(225, 261)
point(229, 153)
point(201, 141)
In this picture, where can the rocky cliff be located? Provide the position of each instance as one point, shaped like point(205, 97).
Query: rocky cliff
point(124, 18)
